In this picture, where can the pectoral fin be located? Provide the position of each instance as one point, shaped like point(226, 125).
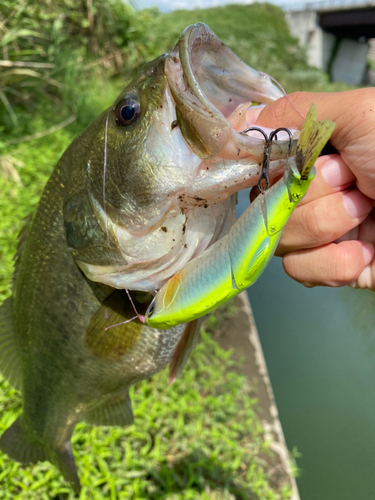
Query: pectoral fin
point(187, 343)
point(10, 362)
point(114, 411)
point(115, 342)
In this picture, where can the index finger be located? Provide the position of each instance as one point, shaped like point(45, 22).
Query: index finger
point(353, 112)
point(341, 107)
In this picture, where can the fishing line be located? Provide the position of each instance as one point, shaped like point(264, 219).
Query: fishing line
point(139, 316)
point(122, 322)
point(285, 94)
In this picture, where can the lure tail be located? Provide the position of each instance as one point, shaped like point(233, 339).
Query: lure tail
point(19, 446)
point(313, 137)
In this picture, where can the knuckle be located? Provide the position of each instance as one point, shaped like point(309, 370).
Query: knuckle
point(300, 96)
point(281, 110)
point(345, 268)
point(313, 223)
point(292, 267)
point(284, 110)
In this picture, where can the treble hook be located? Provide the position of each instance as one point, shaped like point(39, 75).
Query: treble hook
point(266, 158)
point(267, 153)
point(274, 133)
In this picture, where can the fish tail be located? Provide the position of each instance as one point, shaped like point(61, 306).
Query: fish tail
point(19, 446)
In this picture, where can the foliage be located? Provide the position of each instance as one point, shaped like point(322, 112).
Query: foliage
point(258, 34)
point(46, 45)
point(199, 439)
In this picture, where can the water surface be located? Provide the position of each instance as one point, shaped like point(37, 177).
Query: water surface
point(319, 345)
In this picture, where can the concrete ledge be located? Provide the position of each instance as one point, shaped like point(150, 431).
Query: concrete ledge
point(240, 334)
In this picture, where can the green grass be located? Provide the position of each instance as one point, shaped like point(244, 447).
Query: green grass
point(197, 439)
point(18, 200)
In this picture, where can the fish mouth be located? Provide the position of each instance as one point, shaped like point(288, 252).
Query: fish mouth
point(212, 87)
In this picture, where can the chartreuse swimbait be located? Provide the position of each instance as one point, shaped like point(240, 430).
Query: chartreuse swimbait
point(237, 260)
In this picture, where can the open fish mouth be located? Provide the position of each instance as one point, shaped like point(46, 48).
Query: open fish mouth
point(212, 88)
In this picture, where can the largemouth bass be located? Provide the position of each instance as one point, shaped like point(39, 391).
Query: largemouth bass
point(143, 191)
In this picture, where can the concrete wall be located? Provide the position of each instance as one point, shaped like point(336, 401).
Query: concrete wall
point(303, 25)
point(350, 60)
point(327, 47)
point(318, 44)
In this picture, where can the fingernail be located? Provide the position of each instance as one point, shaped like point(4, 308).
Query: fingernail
point(332, 173)
point(356, 204)
point(368, 253)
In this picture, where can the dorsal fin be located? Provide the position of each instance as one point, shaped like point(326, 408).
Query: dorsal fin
point(22, 235)
point(10, 361)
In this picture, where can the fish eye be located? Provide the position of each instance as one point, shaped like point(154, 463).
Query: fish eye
point(127, 111)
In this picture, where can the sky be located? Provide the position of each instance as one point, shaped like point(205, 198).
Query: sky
point(168, 5)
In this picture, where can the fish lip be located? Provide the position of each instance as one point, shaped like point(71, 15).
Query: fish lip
point(199, 36)
point(208, 81)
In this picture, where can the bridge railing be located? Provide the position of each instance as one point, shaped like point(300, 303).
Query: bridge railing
point(326, 5)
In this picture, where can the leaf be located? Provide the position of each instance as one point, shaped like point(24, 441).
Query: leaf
point(32, 73)
point(9, 108)
point(10, 36)
point(313, 137)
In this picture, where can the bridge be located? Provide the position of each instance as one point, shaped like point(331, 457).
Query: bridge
point(337, 35)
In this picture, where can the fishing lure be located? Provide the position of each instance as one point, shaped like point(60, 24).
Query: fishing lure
point(237, 260)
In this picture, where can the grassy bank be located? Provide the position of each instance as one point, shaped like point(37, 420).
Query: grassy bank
point(198, 439)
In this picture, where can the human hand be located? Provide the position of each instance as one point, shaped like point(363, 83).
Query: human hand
point(330, 237)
